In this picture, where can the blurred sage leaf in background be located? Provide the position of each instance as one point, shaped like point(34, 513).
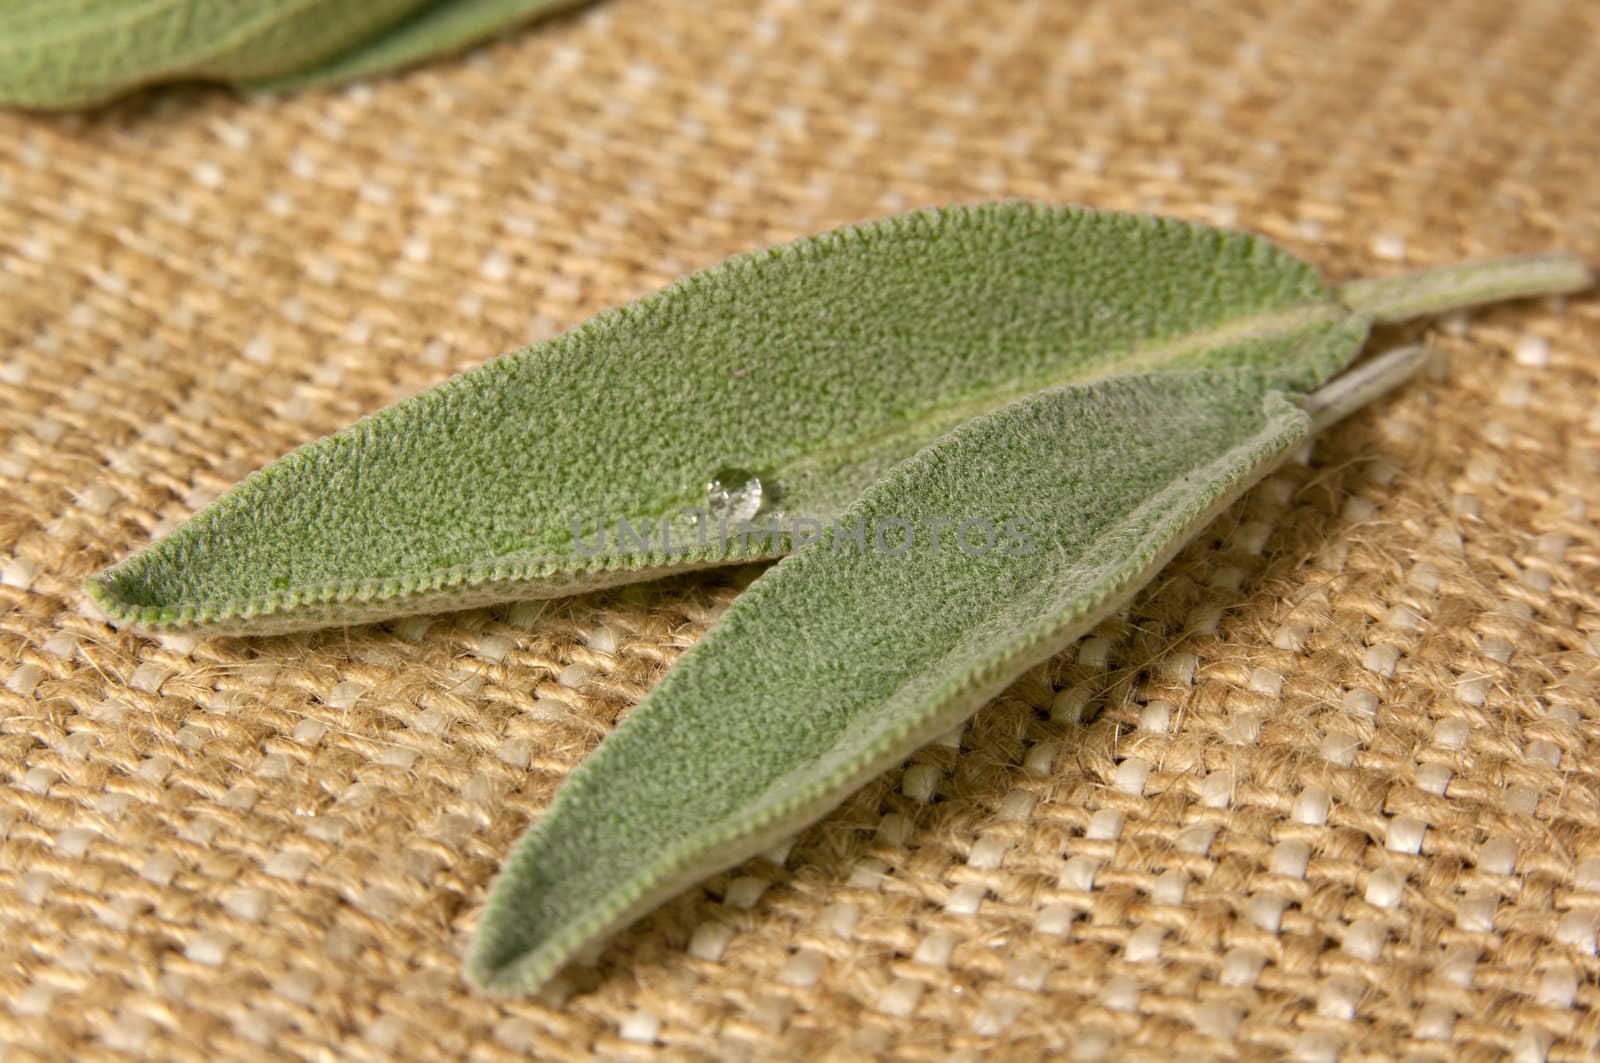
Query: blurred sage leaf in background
point(58, 54)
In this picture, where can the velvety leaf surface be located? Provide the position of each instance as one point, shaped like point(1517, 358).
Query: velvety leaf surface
point(73, 53)
point(838, 662)
point(437, 29)
point(815, 367)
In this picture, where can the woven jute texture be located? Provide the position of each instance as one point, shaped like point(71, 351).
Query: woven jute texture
point(1329, 790)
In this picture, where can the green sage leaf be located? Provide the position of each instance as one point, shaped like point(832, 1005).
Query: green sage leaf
point(437, 29)
point(839, 661)
point(813, 368)
point(76, 53)
point(846, 656)
point(842, 659)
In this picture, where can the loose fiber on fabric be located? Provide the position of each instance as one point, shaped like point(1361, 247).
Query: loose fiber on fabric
point(1329, 790)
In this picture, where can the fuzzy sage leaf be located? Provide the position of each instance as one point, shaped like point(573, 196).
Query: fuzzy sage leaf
point(435, 29)
point(837, 663)
point(815, 368)
point(76, 53)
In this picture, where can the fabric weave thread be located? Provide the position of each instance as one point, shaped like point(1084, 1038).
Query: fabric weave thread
point(1326, 791)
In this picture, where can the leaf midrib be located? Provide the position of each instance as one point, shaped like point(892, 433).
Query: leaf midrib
point(1140, 359)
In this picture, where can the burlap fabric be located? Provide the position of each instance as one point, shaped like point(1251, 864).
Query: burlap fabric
point(1329, 790)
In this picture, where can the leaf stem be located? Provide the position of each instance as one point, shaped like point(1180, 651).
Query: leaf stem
point(1437, 290)
point(1350, 391)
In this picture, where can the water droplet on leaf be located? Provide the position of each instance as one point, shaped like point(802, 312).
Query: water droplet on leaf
point(733, 496)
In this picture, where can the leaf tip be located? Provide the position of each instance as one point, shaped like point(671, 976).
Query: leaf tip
point(129, 600)
point(494, 968)
point(105, 590)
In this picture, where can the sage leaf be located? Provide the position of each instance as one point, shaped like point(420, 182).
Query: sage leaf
point(842, 659)
point(812, 369)
point(838, 663)
point(77, 53)
point(437, 29)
